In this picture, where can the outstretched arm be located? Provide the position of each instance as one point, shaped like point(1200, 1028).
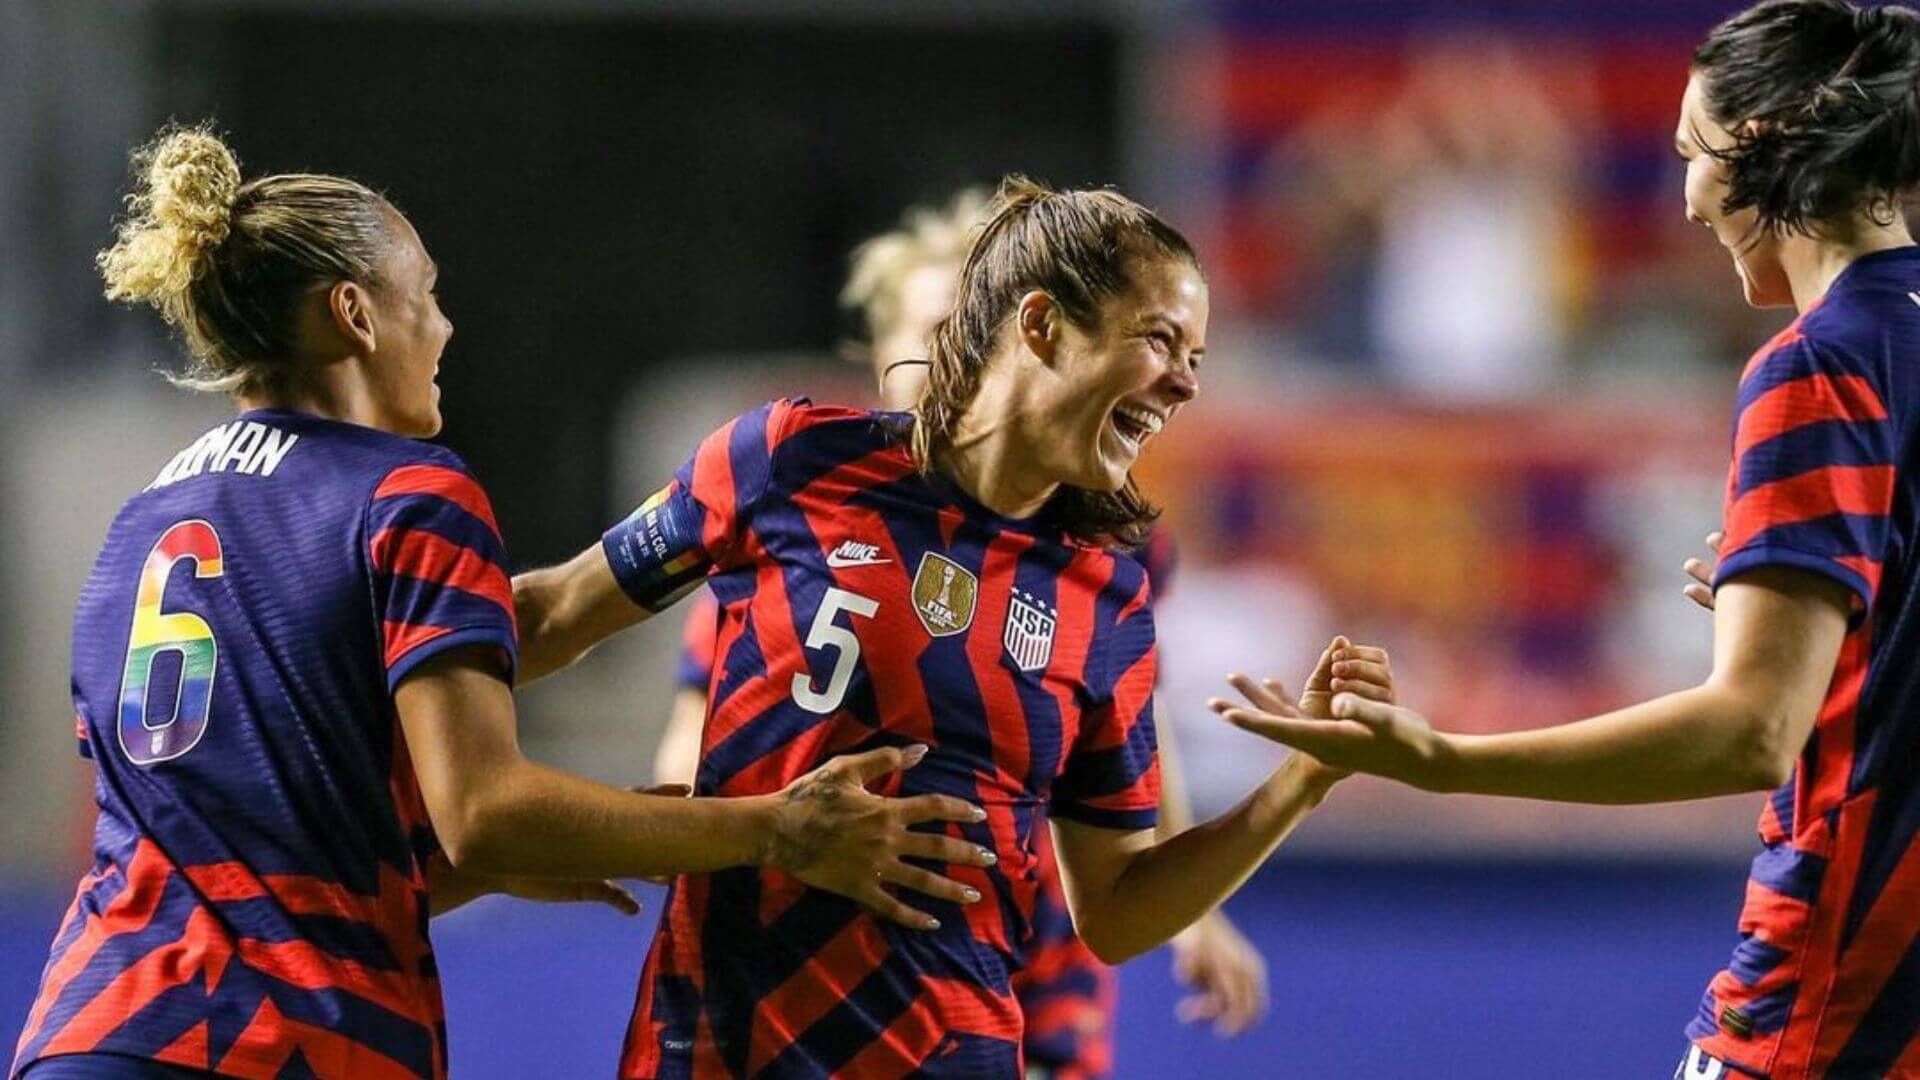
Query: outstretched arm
point(1130, 893)
point(498, 813)
point(1777, 638)
point(566, 610)
point(1226, 973)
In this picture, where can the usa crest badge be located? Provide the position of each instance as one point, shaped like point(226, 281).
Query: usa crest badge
point(1029, 636)
point(943, 595)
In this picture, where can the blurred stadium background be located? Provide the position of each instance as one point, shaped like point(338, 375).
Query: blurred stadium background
point(1467, 397)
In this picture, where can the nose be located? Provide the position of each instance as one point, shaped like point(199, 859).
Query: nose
point(1184, 382)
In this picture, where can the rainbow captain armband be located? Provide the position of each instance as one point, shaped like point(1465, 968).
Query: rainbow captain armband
point(656, 554)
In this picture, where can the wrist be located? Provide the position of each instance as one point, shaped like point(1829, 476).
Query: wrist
point(1299, 779)
point(764, 821)
point(1440, 772)
point(1312, 777)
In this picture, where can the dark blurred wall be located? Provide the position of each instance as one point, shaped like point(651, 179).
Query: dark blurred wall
point(606, 194)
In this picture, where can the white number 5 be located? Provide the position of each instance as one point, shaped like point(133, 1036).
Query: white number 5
point(827, 634)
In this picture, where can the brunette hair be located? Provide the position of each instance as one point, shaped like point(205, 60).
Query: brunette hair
point(1080, 248)
point(1823, 99)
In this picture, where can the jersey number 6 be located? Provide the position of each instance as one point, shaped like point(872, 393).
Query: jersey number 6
point(825, 633)
point(145, 739)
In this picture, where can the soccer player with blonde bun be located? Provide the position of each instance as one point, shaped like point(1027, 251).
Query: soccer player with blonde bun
point(1800, 129)
point(901, 284)
point(292, 666)
point(952, 577)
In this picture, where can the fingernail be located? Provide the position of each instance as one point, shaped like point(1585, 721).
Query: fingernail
point(912, 754)
point(988, 857)
point(933, 923)
point(978, 814)
point(972, 895)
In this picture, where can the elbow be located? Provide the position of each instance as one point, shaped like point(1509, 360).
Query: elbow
point(473, 835)
point(532, 610)
point(1767, 750)
point(1106, 944)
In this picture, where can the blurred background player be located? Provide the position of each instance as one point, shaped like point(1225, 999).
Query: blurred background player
point(958, 583)
point(1800, 129)
point(291, 669)
point(901, 285)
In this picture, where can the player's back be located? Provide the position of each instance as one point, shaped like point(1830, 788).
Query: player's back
point(1826, 478)
point(258, 895)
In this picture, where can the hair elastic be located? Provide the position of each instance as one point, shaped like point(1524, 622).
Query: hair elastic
point(888, 370)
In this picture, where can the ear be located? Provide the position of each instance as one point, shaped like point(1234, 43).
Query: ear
point(1038, 322)
point(351, 308)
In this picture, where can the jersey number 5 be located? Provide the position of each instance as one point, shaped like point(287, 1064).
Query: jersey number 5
point(825, 633)
point(145, 738)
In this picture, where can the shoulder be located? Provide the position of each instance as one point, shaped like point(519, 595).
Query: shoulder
point(414, 474)
point(808, 439)
point(1127, 587)
point(377, 463)
point(1822, 356)
point(800, 420)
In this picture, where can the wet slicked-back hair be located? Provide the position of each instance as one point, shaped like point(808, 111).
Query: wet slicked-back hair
point(1080, 248)
point(228, 263)
point(1823, 98)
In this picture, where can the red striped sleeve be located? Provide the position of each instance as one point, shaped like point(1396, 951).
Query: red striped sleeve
point(712, 488)
point(438, 568)
point(1808, 400)
point(402, 638)
point(450, 484)
point(1838, 489)
point(429, 557)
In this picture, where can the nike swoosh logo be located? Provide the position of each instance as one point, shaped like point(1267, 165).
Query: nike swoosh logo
point(841, 562)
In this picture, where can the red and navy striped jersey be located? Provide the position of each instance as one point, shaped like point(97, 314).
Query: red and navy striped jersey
point(1066, 994)
point(698, 637)
point(864, 603)
point(1826, 978)
point(257, 904)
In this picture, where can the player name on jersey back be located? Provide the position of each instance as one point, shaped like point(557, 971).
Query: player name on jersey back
point(248, 447)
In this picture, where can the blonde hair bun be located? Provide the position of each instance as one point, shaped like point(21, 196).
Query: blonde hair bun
point(181, 212)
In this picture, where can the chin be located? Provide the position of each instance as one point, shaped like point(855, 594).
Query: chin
point(426, 425)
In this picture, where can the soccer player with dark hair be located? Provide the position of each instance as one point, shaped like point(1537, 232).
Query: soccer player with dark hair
point(291, 668)
point(1800, 127)
point(951, 577)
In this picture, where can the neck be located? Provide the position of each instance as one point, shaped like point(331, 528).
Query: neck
point(331, 390)
point(995, 455)
point(1812, 263)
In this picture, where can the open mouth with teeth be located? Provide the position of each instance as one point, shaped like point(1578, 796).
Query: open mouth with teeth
point(1136, 425)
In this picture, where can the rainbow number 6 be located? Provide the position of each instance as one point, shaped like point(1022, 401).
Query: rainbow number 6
point(145, 738)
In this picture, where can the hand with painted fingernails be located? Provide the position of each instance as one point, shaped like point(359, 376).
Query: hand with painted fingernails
point(834, 834)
